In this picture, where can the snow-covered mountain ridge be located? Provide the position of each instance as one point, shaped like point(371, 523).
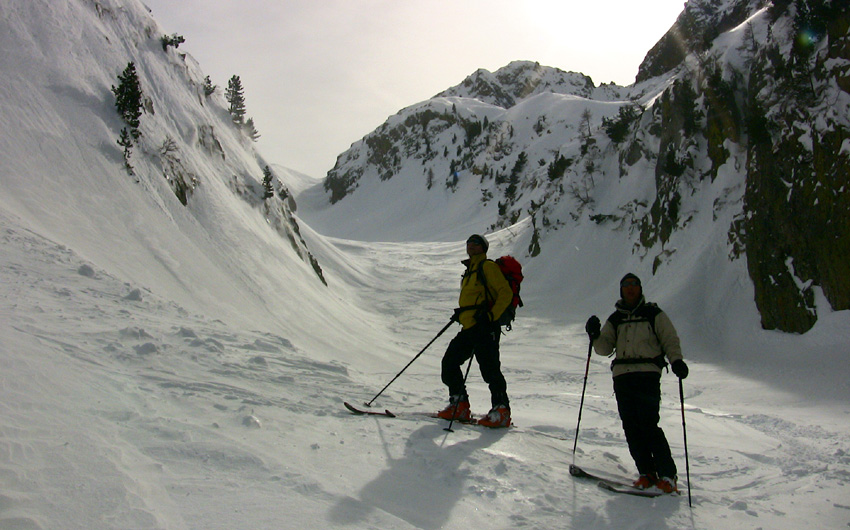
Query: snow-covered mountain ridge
point(523, 79)
point(717, 128)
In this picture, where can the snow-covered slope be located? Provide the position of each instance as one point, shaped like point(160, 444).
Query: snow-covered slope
point(59, 113)
point(183, 367)
point(123, 410)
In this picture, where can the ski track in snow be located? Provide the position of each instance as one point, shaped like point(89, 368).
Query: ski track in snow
point(165, 419)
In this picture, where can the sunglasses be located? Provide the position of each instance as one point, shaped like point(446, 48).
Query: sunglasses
point(630, 283)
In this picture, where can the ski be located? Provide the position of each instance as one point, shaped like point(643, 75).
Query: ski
point(433, 415)
point(612, 484)
point(628, 490)
point(577, 471)
point(355, 410)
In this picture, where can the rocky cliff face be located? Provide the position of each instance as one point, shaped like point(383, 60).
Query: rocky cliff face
point(741, 116)
point(694, 32)
point(797, 230)
point(785, 101)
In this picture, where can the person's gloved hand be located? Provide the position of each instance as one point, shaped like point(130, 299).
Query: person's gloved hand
point(680, 368)
point(593, 327)
point(482, 316)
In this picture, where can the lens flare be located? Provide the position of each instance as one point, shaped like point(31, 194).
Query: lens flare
point(807, 38)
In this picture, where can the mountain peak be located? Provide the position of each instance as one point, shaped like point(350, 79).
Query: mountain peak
point(518, 81)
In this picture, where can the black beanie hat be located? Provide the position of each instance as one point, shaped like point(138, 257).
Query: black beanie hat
point(629, 276)
point(479, 240)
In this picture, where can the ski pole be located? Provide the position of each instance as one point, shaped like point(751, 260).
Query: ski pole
point(685, 431)
point(465, 376)
point(369, 404)
point(581, 404)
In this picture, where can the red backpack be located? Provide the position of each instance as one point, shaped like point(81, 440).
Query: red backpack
point(512, 270)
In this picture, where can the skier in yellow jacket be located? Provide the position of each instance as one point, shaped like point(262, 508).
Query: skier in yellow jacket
point(481, 303)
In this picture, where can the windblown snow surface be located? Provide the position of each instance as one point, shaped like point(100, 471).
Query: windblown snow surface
point(124, 409)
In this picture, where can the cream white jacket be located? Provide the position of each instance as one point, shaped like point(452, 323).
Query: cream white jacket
point(634, 338)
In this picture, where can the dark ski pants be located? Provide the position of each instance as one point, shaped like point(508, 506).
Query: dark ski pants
point(482, 341)
point(638, 401)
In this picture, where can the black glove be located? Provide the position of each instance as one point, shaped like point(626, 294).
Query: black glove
point(593, 327)
point(456, 315)
point(680, 368)
point(482, 316)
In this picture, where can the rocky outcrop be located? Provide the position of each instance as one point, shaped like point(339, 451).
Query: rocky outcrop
point(790, 115)
point(797, 230)
point(693, 33)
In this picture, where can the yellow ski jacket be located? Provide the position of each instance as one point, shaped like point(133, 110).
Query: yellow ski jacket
point(472, 293)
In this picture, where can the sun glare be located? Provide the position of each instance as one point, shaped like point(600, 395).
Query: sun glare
point(594, 37)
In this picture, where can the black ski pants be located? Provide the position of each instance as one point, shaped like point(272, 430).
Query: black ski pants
point(638, 401)
point(482, 341)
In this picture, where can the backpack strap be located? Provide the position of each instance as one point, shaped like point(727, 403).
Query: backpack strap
point(488, 298)
point(645, 313)
point(488, 302)
point(483, 279)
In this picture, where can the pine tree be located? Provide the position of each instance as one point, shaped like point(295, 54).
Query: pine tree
point(209, 88)
point(513, 180)
point(685, 97)
point(235, 96)
point(173, 40)
point(128, 99)
point(557, 168)
point(128, 103)
point(126, 142)
point(251, 130)
point(268, 191)
point(584, 124)
point(618, 128)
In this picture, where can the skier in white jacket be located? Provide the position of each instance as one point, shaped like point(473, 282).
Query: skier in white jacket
point(643, 339)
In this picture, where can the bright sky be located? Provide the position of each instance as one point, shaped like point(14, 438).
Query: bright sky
point(320, 75)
